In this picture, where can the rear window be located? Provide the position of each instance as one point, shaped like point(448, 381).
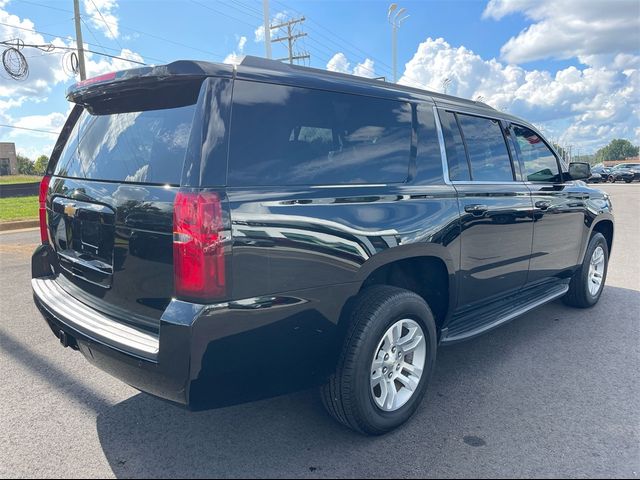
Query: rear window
point(456, 155)
point(138, 147)
point(283, 135)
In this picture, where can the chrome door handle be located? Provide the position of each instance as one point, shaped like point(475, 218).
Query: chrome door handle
point(478, 210)
point(543, 205)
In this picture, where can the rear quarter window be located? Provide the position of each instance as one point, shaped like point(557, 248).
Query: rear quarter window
point(282, 135)
point(486, 149)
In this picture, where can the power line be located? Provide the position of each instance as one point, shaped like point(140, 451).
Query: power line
point(106, 24)
point(93, 34)
point(47, 6)
point(70, 48)
point(55, 47)
point(222, 13)
point(30, 129)
point(254, 12)
point(342, 46)
point(124, 27)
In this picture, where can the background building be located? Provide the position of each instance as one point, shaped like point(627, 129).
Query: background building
point(613, 163)
point(8, 160)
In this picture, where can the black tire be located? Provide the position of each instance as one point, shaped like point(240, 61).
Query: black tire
point(628, 181)
point(579, 295)
point(347, 395)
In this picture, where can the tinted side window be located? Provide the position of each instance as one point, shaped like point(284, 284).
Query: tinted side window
point(429, 157)
point(486, 148)
point(456, 155)
point(538, 161)
point(283, 135)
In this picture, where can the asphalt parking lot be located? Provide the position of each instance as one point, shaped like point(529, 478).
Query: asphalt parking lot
point(555, 393)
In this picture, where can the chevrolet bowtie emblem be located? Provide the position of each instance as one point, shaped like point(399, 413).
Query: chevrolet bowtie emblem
point(70, 210)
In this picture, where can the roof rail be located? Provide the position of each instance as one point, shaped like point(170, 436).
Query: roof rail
point(278, 66)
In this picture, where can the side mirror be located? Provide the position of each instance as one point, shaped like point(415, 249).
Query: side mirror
point(579, 170)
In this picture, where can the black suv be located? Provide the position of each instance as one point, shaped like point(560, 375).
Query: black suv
point(215, 234)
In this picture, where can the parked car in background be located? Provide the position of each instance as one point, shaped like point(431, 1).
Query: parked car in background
point(215, 234)
point(595, 178)
point(628, 172)
point(604, 172)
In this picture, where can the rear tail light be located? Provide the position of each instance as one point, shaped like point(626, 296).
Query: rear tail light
point(42, 199)
point(198, 250)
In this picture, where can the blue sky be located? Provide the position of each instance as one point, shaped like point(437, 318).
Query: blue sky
point(572, 66)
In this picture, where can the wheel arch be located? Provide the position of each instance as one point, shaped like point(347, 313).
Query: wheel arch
point(604, 224)
point(427, 270)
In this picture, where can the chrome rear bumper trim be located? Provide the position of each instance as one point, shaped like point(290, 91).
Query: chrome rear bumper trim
point(92, 323)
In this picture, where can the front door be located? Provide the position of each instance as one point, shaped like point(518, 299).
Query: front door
point(495, 209)
point(559, 207)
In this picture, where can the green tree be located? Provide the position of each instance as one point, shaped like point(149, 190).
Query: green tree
point(25, 165)
point(41, 164)
point(618, 149)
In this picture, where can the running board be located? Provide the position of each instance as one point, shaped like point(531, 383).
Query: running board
point(473, 322)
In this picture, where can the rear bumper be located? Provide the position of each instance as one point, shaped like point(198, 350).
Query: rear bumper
point(205, 356)
point(128, 354)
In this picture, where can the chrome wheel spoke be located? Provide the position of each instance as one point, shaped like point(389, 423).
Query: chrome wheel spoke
point(596, 271)
point(411, 341)
point(396, 332)
point(409, 381)
point(412, 369)
point(393, 379)
point(391, 396)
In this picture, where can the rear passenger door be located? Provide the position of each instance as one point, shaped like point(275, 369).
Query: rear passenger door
point(559, 207)
point(495, 209)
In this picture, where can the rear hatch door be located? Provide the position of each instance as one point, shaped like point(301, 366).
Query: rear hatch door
point(110, 215)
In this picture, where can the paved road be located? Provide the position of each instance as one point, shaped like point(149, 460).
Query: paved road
point(554, 393)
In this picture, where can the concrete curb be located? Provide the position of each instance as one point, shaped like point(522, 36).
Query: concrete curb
point(18, 224)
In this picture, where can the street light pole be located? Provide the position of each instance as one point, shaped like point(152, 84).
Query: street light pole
point(394, 51)
point(395, 18)
point(267, 27)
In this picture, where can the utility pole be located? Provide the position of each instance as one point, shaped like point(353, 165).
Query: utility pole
point(76, 10)
point(267, 28)
point(291, 38)
point(395, 21)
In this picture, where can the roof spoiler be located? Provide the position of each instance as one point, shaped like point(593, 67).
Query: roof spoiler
point(144, 75)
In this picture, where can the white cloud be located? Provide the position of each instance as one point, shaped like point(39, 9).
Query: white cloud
point(258, 34)
point(97, 65)
point(52, 122)
point(45, 70)
point(102, 16)
point(596, 32)
point(585, 106)
point(242, 42)
point(43, 87)
point(236, 57)
point(365, 69)
point(340, 63)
